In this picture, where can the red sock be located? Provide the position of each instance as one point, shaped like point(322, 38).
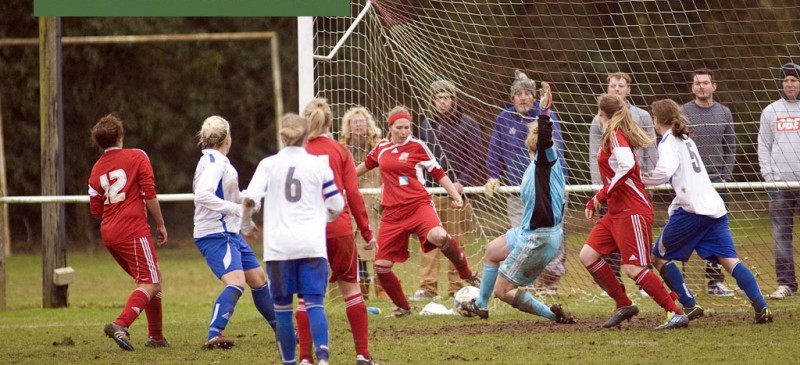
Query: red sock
point(135, 305)
point(154, 321)
point(391, 285)
point(604, 276)
point(303, 332)
point(452, 251)
point(652, 285)
point(673, 295)
point(359, 323)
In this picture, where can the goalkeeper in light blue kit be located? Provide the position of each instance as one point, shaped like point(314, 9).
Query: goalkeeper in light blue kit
point(525, 251)
point(698, 220)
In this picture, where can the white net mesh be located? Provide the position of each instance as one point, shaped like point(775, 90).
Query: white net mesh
point(401, 47)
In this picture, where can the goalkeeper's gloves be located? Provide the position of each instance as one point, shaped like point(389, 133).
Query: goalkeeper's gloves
point(491, 187)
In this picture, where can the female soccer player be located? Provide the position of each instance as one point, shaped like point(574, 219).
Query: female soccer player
point(342, 253)
point(526, 250)
point(407, 206)
point(698, 220)
point(627, 227)
point(300, 195)
point(121, 185)
point(217, 221)
point(359, 135)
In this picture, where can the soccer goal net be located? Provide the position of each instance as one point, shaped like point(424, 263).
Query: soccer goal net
point(399, 48)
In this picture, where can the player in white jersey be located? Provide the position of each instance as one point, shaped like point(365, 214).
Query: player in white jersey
point(217, 218)
point(698, 220)
point(301, 197)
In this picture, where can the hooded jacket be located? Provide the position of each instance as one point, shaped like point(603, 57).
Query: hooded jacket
point(508, 155)
point(779, 134)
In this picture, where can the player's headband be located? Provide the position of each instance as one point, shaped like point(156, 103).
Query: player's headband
point(397, 116)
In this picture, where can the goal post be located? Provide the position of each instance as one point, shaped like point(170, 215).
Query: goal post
point(398, 48)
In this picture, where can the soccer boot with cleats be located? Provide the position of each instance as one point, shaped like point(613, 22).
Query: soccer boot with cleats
point(398, 312)
point(120, 335)
point(361, 360)
point(621, 314)
point(717, 289)
point(472, 308)
point(218, 342)
point(694, 312)
point(153, 343)
point(561, 315)
point(764, 316)
point(674, 320)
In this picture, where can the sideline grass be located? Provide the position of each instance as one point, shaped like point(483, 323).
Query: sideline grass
point(508, 337)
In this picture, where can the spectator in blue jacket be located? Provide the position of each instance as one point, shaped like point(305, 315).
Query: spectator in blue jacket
point(508, 157)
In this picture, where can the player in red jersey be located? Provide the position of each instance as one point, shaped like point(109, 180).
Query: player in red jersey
point(628, 225)
point(120, 187)
point(407, 206)
point(342, 252)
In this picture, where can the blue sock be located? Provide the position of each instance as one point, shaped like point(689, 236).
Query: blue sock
point(747, 282)
point(264, 304)
point(319, 324)
point(674, 279)
point(489, 277)
point(223, 309)
point(528, 304)
point(285, 329)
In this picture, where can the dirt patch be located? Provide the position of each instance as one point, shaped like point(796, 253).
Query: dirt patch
point(479, 327)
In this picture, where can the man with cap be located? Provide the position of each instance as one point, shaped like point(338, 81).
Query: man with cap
point(779, 160)
point(508, 159)
point(454, 138)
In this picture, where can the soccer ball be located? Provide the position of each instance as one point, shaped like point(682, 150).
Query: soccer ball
point(465, 295)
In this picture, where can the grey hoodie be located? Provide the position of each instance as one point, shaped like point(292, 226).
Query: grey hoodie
point(779, 135)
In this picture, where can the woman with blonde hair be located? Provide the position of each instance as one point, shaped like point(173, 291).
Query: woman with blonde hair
point(360, 134)
point(217, 221)
point(628, 226)
point(300, 199)
point(407, 208)
point(341, 244)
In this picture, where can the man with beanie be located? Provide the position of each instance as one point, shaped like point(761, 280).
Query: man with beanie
point(454, 138)
point(508, 159)
point(619, 83)
point(779, 160)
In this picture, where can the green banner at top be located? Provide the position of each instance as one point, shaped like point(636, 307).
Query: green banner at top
point(191, 7)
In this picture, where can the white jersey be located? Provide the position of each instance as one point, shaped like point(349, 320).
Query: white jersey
point(301, 197)
point(217, 199)
point(681, 165)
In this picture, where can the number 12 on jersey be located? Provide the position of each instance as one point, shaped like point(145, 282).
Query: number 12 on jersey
point(112, 189)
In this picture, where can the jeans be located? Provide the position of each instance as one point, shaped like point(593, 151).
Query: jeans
point(783, 205)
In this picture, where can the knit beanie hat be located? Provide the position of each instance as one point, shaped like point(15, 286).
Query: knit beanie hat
point(522, 82)
point(789, 69)
point(443, 86)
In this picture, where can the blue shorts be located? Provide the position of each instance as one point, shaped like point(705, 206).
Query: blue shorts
point(530, 252)
point(687, 232)
point(226, 252)
point(301, 276)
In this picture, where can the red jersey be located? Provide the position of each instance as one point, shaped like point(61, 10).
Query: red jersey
point(403, 168)
point(622, 183)
point(344, 176)
point(121, 180)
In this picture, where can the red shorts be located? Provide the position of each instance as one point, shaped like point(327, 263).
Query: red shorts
point(343, 259)
point(398, 224)
point(631, 235)
point(138, 258)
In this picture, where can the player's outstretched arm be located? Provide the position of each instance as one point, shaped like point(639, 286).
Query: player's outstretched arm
point(451, 189)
